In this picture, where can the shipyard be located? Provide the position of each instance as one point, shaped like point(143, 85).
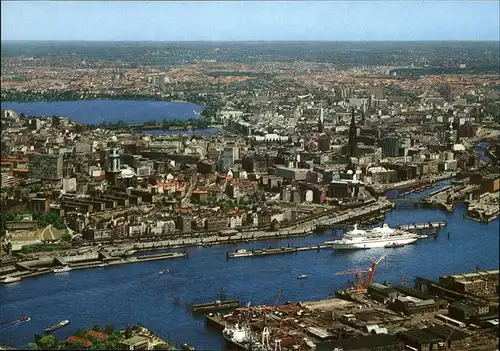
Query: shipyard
point(458, 312)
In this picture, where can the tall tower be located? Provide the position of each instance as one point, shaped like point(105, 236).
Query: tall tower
point(451, 137)
point(114, 163)
point(321, 121)
point(353, 136)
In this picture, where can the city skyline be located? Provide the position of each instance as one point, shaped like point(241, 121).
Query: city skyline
point(251, 21)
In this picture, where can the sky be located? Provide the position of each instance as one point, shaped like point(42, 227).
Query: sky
point(250, 20)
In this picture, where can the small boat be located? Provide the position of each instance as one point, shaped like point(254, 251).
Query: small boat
point(302, 276)
point(24, 319)
point(187, 347)
point(57, 326)
point(102, 265)
point(241, 253)
point(64, 269)
point(393, 245)
point(10, 279)
point(165, 271)
point(130, 252)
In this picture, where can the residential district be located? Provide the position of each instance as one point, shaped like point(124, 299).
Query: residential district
point(304, 145)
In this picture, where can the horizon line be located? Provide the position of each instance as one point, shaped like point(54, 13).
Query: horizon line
point(250, 41)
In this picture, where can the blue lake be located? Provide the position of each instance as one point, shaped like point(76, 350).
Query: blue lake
point(110, 111)
point(135, 293)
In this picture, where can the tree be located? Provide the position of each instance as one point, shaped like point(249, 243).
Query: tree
point(47, 342)
point(108, 329)
point(66, 237)
point(98, 345)
point(32, 346)
point(79, 332)
point(73, 346)
point(51, 218)
point(96, 327)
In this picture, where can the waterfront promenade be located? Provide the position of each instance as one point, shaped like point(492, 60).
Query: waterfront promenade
point(137, 293)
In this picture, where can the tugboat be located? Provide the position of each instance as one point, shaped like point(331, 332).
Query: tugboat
point(57, 326)
point(24, 319)
point(394, 245)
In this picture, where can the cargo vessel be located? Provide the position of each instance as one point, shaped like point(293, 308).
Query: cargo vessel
point(241, 337)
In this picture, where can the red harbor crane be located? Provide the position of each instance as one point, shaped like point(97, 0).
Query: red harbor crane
point(360, 285)
point(278, 297)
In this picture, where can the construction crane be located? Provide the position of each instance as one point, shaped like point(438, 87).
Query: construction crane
point(359, 285)
point(278, 298)
point(446, 341)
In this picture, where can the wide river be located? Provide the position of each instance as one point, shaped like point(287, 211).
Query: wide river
point(109, 111)
point(136, 293)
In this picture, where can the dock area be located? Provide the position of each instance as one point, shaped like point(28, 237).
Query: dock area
point(485, 208)
point(40, 270)
point(374, 318)
point(276, 251)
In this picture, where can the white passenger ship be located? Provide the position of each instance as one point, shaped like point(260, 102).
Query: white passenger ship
point(358, 239)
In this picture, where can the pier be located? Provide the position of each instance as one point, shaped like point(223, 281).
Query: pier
point(219, 305)
point(422, 226)
point(279, 251)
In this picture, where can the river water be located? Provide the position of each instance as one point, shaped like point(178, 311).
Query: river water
point(136, 293)
point(109, 111)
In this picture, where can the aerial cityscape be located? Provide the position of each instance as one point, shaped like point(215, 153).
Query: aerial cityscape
point(232, 180)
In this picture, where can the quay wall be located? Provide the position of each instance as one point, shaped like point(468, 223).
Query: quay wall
point(304, 229)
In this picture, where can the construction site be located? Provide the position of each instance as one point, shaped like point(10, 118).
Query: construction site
point(458, 312)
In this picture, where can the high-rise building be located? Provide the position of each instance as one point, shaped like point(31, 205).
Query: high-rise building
point(45, 166)
point(390, 146)
point(321, 121)
point(324, 142)
point(226, 159)
point(353, 136)
point(114, 168)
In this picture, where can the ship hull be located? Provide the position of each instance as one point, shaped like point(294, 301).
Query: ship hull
point(235, 345)
point(241, 255)
point(372, 244)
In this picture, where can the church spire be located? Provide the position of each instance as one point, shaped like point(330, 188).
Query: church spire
point(351, 146)
point(321, 121)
